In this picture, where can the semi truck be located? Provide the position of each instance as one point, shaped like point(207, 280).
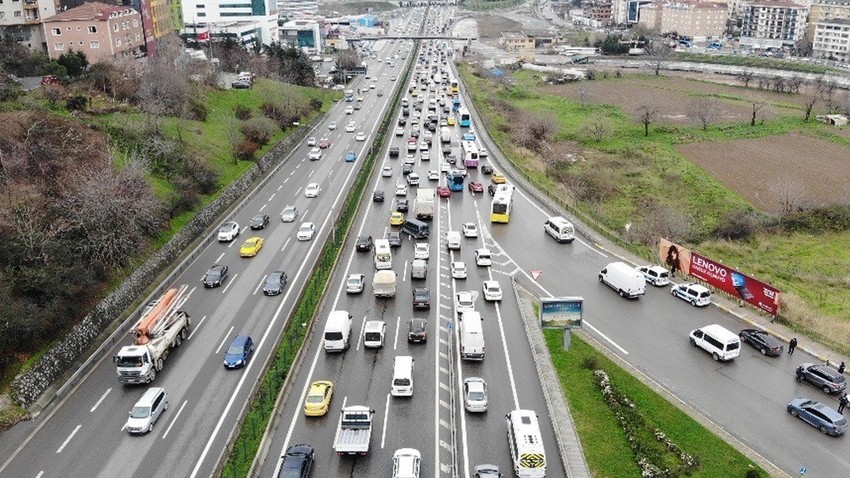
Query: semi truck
point(354, 431)
point(162, 327)
point(424, 206)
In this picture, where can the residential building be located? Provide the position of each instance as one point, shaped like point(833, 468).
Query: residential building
point(691, 18)
point(773, 24)
point(250, 22)
point(297, 8)
point(96, 29)
point(634, 10)
point(302, 33)
point(600, 11)
point(517, 41)
point(826, 10)
point(832, 40)
point(21, 19)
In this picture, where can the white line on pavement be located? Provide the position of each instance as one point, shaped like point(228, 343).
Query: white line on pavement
point(68, 439)
point(223, 339)
point(100, 400)
point(195, 328)
point(173, 421)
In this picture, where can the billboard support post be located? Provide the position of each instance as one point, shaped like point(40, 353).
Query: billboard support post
point(568, 337)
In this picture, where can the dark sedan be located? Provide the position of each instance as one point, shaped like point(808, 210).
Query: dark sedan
point(239, 352)
point(378, 196)
point(394, 151)
point(364, 243)
point(274, 283)
point(417, 330)
point(215, 276)
point(486, 169)
point(260, 221)
point(297, 461)
point(762, 341)
point(402, 205)
point(394, 238)
point(422, 298)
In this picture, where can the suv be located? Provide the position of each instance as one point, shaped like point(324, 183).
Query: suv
point(822, 376)
point(364, 243)
point(417, 330)
point(297, 461)
point(422, 298)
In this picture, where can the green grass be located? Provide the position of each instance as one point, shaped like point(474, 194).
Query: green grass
point(605, 445)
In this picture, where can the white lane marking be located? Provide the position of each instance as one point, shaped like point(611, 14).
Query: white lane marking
point(102, 397)
point(360, 335)
point(297, 192)
point(397, 327)
point(278, 188)
point(505, 348)
point(331, 173)
point(287, 179)
point(305, 213)
point(386, 419)
point(231, 281)
point(311, 173)
point(195, 328)
point(263, 280)
point(263, 207)
point(271, 197)
point(40, 474)
point(404, 273)
point(224, 339)
point(285, 244)
point(174, 420)
point(219, 258)
point(67, 440)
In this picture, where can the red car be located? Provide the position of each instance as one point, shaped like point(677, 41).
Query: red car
point(325, 143)
point(476, 187)
point(444, 192)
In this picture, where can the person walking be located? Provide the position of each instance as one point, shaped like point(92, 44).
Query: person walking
point(841, 368)
point(792, 345)
point(800, 374)
point(842, 402)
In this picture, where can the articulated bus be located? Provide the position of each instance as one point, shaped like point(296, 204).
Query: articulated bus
point(469, 154)
point(455, 87)
point(526, 444)
point(500, 208)
point(455, 180)
point(465, 118)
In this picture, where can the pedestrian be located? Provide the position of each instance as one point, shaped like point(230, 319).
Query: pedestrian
point(800, 374)
point(841, 368)
point(842, 402)
point(792, 345)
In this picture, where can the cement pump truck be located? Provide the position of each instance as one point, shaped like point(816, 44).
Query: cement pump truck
point(162, 327)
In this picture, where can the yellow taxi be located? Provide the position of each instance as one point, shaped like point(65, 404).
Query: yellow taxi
point(498, 178)
point(414, 93)
point(360, 99)
point(318, 398)
point(396, 219)
point(251, 247)
point(451, 121)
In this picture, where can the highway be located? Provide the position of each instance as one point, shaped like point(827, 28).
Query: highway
point(83, 435)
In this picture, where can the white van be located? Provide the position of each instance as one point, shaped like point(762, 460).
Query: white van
point(625, 280)
point(471, 336)
point(560, 229)
point(419, 269)
point(373, 334)
point(337, 331)
point(383, 284)
point(453, 240)
point(383, 254)
point(445, 135)
point(147, 411)
point(720, 342)
point(405, 102)
point(402, 377)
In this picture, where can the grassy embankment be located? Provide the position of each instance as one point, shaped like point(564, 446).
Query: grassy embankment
point(810, 269)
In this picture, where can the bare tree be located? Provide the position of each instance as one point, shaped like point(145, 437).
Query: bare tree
point(583, 95)
point(660, 53)
point(598, 128)
point(757, 107)
point(827, 89)
point(705, 110)
point(745, 77)
point(533, 130)
point(808, 105)
point(646, 116)
point(779, 83)
point(791, 194)
point(53, 93)
point(165, 88)
point(794, 84)
point(661, 221)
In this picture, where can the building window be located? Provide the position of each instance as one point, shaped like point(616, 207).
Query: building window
point(59, 46)
point(56, 32)
point(18, 14)
point(92, 29)
point(94, 44)
point(202, 14)
point(2, 14)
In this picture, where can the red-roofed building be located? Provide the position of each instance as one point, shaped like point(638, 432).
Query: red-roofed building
point(97, 29)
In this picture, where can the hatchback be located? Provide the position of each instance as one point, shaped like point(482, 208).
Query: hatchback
point(239, 352)
point(818, 415)
point(822, 376)
point(387, 172)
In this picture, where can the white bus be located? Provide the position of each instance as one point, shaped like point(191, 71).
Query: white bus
point(526, 444)
point(383, 254)
point(470, 154)
point(503, 200)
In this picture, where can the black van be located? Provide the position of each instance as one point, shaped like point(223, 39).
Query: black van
point(416, 228)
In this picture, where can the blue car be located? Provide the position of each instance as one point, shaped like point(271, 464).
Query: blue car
point(350, 157)
point(239, 352)
point(470, 136)
point(818, 415)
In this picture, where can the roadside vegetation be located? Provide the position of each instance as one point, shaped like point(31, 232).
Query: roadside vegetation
point(613, 452)
point(612, 156)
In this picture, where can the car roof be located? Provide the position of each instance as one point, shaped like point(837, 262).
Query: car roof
point(241, 339)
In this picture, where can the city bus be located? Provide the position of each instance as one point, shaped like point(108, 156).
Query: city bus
point(455, 87)
point(465, 118)
point(500, 208)
point(383, 254)
point(455, 180)
point(469, 154)
point(526, 444)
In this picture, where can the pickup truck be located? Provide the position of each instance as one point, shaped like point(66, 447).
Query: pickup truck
point(354, 431)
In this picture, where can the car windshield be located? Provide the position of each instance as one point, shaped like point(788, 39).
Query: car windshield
point(355, 281)
point(213, 273)
point(476, 396)
point(235, 350)
point(258, 219)
point(140, 412)
point(315, 398)
point(273, 280)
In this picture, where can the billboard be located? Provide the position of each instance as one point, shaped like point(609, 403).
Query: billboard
point(675, 257)
point(735, 283)
point(561, 312)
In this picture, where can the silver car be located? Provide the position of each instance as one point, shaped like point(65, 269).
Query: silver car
point(289, 214)
point(354, 284)
point(475, 395)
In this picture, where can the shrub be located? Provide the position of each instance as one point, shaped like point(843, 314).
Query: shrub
point(242, 112)
point(259, 130)
point(203, 175)
point(185, 198)
point(316, 104)
point(818, 220)
point(246, 150)
point(77, 103)
point(197, 109)
point(738, 225)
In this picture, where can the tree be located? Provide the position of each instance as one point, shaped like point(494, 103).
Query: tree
point(757, 107)
point(598, 128)
point(808, 105)
point(9, 88)
point(165, 88)
point(660, 53)
point(745, 77)
point(705, 110)
point(292, 65)
point(583, 95)
point(790, 194)
point(75, 62)
point(346, 60)
point(646, 116)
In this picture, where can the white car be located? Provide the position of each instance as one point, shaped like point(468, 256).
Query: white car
point(426, 156)
point(315, 153)
point(387, 172)
point(469, 229)
point(361, 136)
point(465, 301)
point(458, 270)
point(349, 110)
point(423, 146)
point(351, 127)
point(445, 167)
point(332, 125)
point(392, 78)
point(311, 141)
point(433, 176)
point(492, 290)
point(413, 179)
point(421, 251)
point(475, 396)
point(399, 131)
point(655, 275)
point(305, 232)
point(410, 159)
point(406, 463)
point(312, 190)
point(400, 190)
point(696, 294)
point(228, 231)
point(482, 258)
point(355, 283)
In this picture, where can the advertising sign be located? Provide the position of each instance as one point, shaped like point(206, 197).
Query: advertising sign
point(561, 312)
point(677, 258)
point(735, 283)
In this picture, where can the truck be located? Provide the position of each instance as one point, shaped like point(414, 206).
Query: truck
point(162, 327)
point(354, 431)
point(424, 205)
point(383, 283)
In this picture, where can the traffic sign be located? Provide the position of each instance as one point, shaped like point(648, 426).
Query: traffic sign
point(535, 273)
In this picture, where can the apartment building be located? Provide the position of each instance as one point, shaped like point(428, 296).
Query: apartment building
point(251, 22)
point(773, 24)
point(21, 19)
point(692, 18)
point(822, 10)
point(96, 29)
point(517, 41)
point(832, 40)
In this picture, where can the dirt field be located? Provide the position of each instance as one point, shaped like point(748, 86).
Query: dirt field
point(808, 169)
point(672, 96)
point(492, 26)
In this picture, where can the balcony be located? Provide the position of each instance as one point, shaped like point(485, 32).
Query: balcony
point(30, 4)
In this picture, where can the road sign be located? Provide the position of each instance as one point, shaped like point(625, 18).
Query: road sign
point(535, 273)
